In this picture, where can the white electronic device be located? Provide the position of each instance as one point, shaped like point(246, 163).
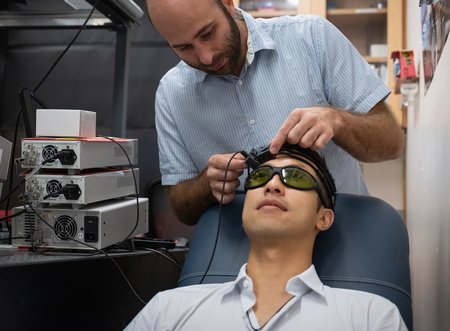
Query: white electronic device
point(84, 188)
point(98, 225)
point(79, 153)
point(65, 123)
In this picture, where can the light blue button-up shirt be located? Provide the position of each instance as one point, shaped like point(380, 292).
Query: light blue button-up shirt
point(228, 307)
point(292, 62)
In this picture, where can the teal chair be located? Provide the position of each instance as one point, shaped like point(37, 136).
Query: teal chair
point(366, 249)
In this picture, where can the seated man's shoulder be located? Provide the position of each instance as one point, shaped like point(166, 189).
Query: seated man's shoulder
point(357, 297)
point(362, 303)
point(189, 294)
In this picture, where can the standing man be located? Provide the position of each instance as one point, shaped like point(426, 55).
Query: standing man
point(244, 82)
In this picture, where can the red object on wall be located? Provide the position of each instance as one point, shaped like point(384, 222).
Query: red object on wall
point(404, 67)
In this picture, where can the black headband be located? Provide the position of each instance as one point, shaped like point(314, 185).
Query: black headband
point(308, 156)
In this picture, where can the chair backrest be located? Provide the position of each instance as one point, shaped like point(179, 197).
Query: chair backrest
point(366, 249)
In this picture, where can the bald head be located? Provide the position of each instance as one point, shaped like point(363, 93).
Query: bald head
point(162, 9)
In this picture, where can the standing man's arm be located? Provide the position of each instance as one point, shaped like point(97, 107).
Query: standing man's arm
point(191, 198)
point(371, 137)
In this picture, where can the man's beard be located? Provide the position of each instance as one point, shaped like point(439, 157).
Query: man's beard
point(231, 53)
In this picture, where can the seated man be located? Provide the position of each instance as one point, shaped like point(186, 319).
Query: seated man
point(290, 199)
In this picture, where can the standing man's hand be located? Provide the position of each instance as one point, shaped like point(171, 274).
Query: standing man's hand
point(371, 137)
point(308, 127)
point(217, 165)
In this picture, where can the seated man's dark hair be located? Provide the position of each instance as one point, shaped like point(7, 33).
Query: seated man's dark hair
point(306, 155)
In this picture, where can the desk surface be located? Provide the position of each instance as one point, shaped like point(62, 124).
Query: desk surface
point(66, 292)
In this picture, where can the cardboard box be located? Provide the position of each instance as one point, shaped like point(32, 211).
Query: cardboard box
point(65, 123)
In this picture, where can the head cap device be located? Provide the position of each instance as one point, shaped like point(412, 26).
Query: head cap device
point(257, 157)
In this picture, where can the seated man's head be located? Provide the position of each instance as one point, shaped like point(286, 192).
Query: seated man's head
point(289, 195)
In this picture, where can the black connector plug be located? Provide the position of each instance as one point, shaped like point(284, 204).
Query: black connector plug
point(71, 191)
point(67, 156)
point(256, 158)
point(250, 159)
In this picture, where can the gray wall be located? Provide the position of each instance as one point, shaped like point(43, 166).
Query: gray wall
point(428, 195)
point(84, 77)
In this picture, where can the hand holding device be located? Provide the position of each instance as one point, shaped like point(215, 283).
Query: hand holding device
point(218, 165)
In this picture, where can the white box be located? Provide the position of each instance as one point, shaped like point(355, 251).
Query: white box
point(65, 123)
point(378, 50)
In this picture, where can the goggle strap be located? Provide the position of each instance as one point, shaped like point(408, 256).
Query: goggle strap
point(322, 177)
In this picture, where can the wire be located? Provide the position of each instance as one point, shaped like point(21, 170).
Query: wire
point(27, 204)
point(3, 239)
point(63, 53)
point(172, 256)
point(22, 180)
point(11, 168)
point(35, 97)
point(98, 250)
point(173, 261)
point(12, 215)
point(54, 194)
point(135, 183)
point(40, 102)
point(9, 194)
point(62, 253)
point(220, 218)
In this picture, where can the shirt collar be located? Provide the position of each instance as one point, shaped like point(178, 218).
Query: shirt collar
point(242, 281)
point(307, 281)
point(298, 285)
point(257, 40)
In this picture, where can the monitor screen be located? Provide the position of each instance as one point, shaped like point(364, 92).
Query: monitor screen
point(5, 156)
point(27, 112)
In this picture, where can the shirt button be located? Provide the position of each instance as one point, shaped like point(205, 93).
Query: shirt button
point(251, 122)
point(239, 82)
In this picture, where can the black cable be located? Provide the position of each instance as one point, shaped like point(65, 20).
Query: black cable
point(34, 96)
point(220, 218)
point(55, 194)
point(136, 190)
point(40, 102)
point(52, 158)
point(12, 215)
point(171, 255)
point(98, 250)
point(22, 180)
point(33, 92)
point(6, 218)
point(9, 195)
point(173, 261)
point(2, 239)
point(26, 203)
point(11, 169)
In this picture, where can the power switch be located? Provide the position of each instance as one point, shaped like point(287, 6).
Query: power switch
point(91, 229)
